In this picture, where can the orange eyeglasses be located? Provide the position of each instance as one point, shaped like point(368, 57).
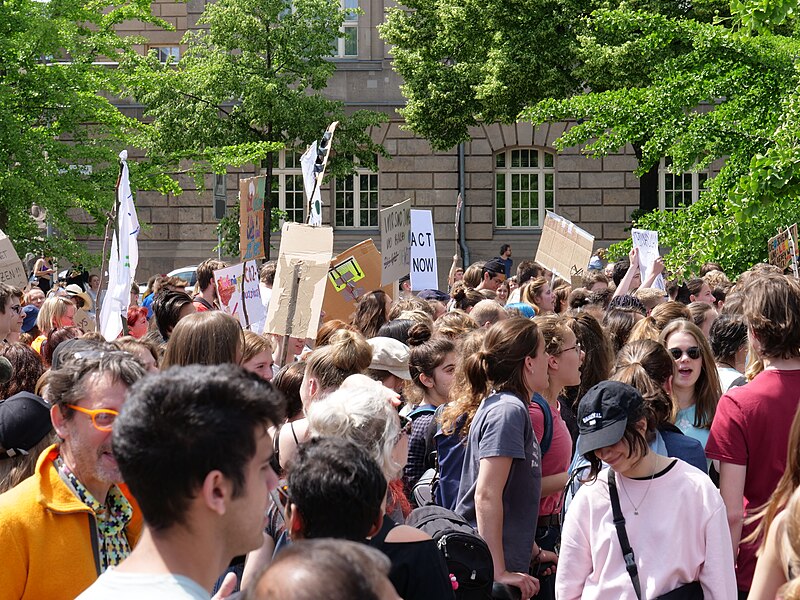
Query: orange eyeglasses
point(102, 418)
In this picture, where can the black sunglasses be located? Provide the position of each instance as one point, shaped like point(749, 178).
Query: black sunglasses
point(693, 353)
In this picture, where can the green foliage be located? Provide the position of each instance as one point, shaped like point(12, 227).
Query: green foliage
point(59, 137)
point(249, 84)
point(228, 229)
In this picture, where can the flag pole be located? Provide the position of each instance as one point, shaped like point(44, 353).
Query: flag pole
point(111, 216)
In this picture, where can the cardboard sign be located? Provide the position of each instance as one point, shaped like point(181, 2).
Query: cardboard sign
point(353, 273)
point(240, 296)
point(564, 248)
point(251, 218)
point(783, 249)
point(395, 248)
point(11, 270)
point(647, 243)
point(424, 271)
point(84, 321)
point(303, 262)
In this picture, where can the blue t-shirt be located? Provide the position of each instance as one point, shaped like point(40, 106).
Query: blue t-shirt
point(685, 422)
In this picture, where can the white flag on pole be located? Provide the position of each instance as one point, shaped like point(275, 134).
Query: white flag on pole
point(124, 259)
point(307, 162)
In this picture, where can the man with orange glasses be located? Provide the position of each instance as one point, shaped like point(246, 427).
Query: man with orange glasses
point(67, 523)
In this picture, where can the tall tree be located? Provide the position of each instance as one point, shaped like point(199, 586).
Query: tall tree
point(251, 82)
point(59, 134)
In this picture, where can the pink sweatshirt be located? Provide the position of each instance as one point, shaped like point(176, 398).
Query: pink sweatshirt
point(680, 535)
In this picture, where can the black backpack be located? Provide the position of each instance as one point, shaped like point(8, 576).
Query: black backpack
point(466, 554)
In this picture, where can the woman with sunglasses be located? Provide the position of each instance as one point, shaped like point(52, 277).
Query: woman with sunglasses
point(695, 383)
point(501, 476)
point(565, 357)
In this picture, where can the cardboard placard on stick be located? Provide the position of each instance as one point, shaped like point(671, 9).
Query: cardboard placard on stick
point(353, 273)
point(395, 224)
point(783, 249)
point(251, 218)
point(564, 248)
point(240, 296)
point(11, 270)
point(299, 288)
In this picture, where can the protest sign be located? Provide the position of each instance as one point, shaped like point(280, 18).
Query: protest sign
point(11, 270)
point(239, 295)
point(352, 273)
point(424, 271)
point(395, 248)
point(84, 321)
point(303, 261)
point(647, 243)
point(564, 248)
point(783, 249)
point(251, 218)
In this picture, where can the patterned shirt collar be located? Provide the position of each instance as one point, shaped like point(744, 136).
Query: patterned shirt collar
point(111, 517)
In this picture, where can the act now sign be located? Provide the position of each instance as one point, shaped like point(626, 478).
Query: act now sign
point(424, 275)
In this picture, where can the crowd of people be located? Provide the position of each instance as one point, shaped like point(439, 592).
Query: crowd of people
point(606, 438)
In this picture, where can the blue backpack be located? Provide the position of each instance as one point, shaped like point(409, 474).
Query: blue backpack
point(547, 434)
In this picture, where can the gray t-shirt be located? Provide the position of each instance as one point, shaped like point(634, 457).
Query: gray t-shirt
point(135, 586)
point(502, 427)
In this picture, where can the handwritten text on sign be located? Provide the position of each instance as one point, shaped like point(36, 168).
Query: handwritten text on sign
point(395, 249)
point(424, 275)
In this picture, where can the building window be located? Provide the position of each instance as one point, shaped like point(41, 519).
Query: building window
point(167, 54)
point(288, 182)
point(356, 201)
point(347, 45)
point(678, 191)
point(524, 187)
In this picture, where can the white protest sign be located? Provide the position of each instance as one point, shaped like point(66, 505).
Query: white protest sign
point(395, 248)
point(239, 295)
point(647, 243)
point(11, 270)
point(424, 274)
point(303, 262)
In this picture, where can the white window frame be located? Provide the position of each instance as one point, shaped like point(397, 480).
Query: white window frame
point(350, 25)
point(373, 199)
point(173, 52)
point(503, 180)
point(293, 175)
point(696, 180)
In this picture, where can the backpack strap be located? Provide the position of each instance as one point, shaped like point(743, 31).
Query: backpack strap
point(547, 435)
point(622, 534)
point(425, 409)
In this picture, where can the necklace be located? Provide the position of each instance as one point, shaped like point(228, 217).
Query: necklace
point(649, 483)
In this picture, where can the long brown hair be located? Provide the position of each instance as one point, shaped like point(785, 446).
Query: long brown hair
point(498, 365)
point(370, 313)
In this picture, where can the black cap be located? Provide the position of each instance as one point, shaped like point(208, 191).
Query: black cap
point(494, 266)
point(603, 414)
point(24, 422)
point(434, 295)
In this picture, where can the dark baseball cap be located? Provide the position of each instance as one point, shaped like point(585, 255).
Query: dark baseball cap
point(494, 266)
point(31, 313)
point(603, 413)
point(24, 422)
point(434, 295)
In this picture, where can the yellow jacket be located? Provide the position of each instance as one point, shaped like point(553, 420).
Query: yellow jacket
point(48, 537)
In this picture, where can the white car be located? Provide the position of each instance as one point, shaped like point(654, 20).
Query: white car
point(187, 274)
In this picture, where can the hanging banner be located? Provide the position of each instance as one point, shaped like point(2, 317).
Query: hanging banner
point(251, 218)
point(11, 270)
point(783, 249)
point(424, 271)
point(239, 295)
point(647, 243)
point(395, 248)
point(564, 248)
point(300, 278)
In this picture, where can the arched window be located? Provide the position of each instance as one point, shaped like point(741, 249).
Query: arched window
point(524, 187)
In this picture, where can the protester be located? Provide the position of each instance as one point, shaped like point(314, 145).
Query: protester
point(70, 521)
point(501, 478)
point(266, 279)
point(34, 297)
point(538, 294)
point(389, 363)
point(26, 369)
point(193, 447)
point(137, 321)
point(703, 315)
point(146, 352)
point(206, 297)
point(695, 385)
point(257, 355)
point(493, 273)
point(43, 273)
point(695, 290)
point(11, 315)
point(728, 341)
point(206, 338)
point(488, 312)
point(55, 312)
point(372, 311)
point(652, 325)
point(25, 431)
point(671, 546)
point(169, 307)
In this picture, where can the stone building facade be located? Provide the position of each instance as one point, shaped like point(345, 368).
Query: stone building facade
point(511, 172)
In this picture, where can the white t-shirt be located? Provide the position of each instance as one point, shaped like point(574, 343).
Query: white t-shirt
point(135, 586)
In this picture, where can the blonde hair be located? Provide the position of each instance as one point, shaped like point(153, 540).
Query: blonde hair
point(531, 290)
point(454, 324)
point(254, 345)
point(346, 353)
point(364, 416)
point(791, 591)
point(52, 311)
point(651, 326)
